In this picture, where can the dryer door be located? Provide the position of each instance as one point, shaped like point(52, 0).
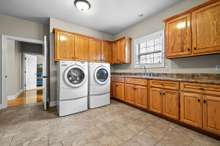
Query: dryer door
point(101, 75)
point(74, 76)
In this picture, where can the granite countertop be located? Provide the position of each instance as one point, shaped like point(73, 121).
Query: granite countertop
point(196, 78)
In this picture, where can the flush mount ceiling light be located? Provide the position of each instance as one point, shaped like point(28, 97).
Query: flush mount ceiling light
point(82, 5)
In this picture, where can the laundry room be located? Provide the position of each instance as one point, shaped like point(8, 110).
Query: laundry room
point(110, 73)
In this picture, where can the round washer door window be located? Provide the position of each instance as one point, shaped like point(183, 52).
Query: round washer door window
point(74, 76)
point(101, 75)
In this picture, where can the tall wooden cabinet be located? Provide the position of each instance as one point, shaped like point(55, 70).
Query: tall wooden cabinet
point(195, 32)
point(121, 52)
point(178, 36)
point(206, 29)
point(95, 49)
point(106, 51)
point(65, 46)
point(81, 48)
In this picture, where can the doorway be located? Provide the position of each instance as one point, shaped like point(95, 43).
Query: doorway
point(24, 67)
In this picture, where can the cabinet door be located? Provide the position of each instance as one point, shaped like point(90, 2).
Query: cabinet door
point(206, 29)
point(171, 104)
point(115, 53)
point(106, 51)
point(130, 93)
point(191, 109)
point(112, 89)
point(94, 50)
point(64, 45)
point(141, 96)
point(211, 114)
point(81, 48)
point(119, 91)
point(121, 51)
point(156, 100)
point(178, 37)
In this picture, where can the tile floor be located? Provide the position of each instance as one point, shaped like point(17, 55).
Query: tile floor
point(116, 124)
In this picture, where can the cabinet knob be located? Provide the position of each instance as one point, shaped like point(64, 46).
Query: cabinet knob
point(194, 48)
point(204, 101)
point(189, 49)
point(198, 100)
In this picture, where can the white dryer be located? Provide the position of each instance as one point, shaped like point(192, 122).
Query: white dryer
point(99, 84)
point(72, 87)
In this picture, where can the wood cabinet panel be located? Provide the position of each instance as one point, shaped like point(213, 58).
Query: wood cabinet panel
point(136, 81)
point(81, 47)
point(206, 29)
point(211, 114)
point(173, 85)
point(94, 50)
point(178, 36)
point(191, 109)
point(141, 97)
point(64, 45)
point(200, 88)
point(130, 93)
point(155, 100)
point(107, 51)
point(116, 78)
point(115, 53)
point(171, 104)
point(119, 90)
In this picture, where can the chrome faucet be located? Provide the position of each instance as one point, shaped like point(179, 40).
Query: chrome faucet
point(145, 71)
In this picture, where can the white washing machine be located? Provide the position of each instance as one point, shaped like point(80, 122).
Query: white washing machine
point(72, 87)
point(99, 84)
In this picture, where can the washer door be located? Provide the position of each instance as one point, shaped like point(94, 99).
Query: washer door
point(74, 76)
point(101, 75)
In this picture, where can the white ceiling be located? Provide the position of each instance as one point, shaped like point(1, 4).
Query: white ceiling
point(110, 16)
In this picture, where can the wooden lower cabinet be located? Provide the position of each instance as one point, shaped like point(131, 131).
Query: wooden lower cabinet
point(130, 93)
point(118, 90)
point(191, 109)
point(141, 97)
point(211, 114)
point(136, 95)
point(156, 100)
point(171, 104)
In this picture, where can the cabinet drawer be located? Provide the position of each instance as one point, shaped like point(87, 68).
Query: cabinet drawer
point(201, 88)
point(118, 79)
point(136, 81)
point(165, 84)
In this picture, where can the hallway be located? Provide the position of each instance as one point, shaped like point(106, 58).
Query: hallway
point(27, 97)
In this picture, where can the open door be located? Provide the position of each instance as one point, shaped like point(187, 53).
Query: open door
point(30, 72)
point(45, 74)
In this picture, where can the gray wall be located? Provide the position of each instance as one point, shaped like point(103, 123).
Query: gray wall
point(20, 28)
point(14, 69)
point(203, 64)
point(55, 23)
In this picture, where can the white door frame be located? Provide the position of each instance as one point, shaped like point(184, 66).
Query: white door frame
point(4, 47)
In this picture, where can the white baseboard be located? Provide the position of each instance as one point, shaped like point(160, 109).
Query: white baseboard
point(11, 97)
point(53, 103)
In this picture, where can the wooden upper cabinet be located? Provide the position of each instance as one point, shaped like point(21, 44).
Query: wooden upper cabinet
point(191, 109)
point(178, 36)
point(156, 100)
point(81, 47)
point(194, 32)
point(211, 114)
point(64, 45)
point(206, 29)
point(106, 51)
point(121, 53)
point(171, 104)
point(94, 50)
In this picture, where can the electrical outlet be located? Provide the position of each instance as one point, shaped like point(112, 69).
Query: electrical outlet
point(217, 67)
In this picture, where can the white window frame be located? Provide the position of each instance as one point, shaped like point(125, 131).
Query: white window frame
point(145, 38)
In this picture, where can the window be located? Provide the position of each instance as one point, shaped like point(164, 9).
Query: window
point(149, 50)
